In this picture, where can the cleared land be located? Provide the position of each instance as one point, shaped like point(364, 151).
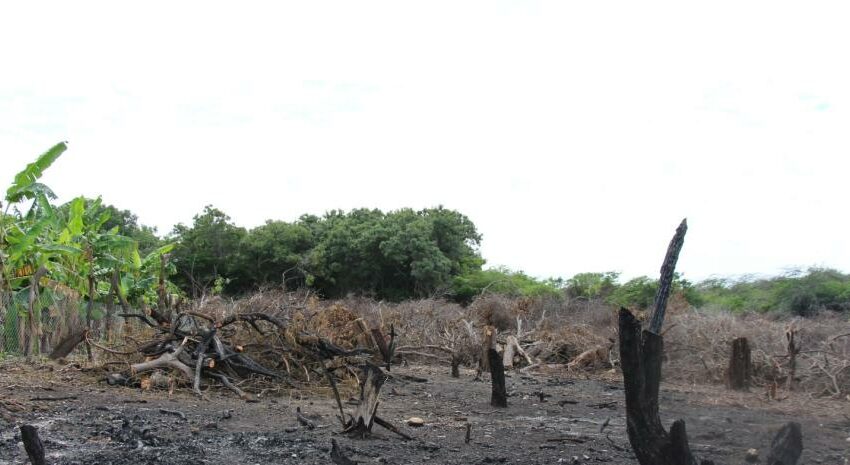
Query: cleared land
point(553, 417)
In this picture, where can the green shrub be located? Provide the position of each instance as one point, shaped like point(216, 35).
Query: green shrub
point(503, 281)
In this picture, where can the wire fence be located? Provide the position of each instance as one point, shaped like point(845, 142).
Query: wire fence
point(54, 323)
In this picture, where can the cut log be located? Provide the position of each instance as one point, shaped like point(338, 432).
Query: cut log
point(499, 395)
point(169, 360)
point(787, 445)
point(598, 356)
point(739, 374)
point(33, 444)
point(364, 415)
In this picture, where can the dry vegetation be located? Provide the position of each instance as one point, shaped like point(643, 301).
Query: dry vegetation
point(577, 334)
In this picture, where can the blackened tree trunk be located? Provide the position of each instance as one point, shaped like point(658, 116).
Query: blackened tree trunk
point(640, 356)
point(499, 396)
point(739, 374)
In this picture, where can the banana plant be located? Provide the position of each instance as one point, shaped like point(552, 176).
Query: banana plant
point(28, 251)
point(105, 255)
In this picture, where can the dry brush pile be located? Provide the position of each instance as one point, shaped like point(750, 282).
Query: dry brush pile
point(273, 341)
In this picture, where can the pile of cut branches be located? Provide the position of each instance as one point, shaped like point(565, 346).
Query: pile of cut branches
point(204, 349)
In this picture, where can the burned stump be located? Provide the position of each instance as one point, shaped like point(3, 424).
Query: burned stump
point(499, 396)
point(33, 444)
point(739, 373)
point(787, 445)
point(364, 415)
point(640, 355)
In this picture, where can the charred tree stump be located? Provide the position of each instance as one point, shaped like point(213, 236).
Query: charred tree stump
point(641, 353)
point(739, 374)
point(364, 415)
point(499, 396)
point(793, 350)
point(455, 365)
point(787, 445)
point(640, 356)
point(33, 444)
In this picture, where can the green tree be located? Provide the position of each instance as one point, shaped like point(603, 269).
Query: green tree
point(592, 285)
point(503, 281)
point(207, 252)
point(640, 292)
point(637, 292)
point(275, 251)
point(393, 255)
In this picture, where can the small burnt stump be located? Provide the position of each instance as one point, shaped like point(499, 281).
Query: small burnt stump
point(739, 373)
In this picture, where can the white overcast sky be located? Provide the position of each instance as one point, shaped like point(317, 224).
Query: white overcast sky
point(575, 134)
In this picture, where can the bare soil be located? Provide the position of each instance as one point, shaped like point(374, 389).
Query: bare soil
point(552, 418)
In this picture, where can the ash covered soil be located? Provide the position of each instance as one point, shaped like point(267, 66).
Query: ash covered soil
point(552, 418)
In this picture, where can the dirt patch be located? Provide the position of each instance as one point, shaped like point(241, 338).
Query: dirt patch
point(552, 418)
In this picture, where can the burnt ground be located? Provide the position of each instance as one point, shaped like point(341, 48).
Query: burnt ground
point(119, 425)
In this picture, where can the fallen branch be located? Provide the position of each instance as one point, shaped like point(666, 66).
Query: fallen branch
point(383, 423)
point(176, 413)
point(169, 360)
point(52, 399)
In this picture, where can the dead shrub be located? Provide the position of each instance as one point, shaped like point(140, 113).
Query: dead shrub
point(497, 311)
point(556, 331)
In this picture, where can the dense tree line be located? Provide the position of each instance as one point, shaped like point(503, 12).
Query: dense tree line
point(392, 255)
point(431, 252)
